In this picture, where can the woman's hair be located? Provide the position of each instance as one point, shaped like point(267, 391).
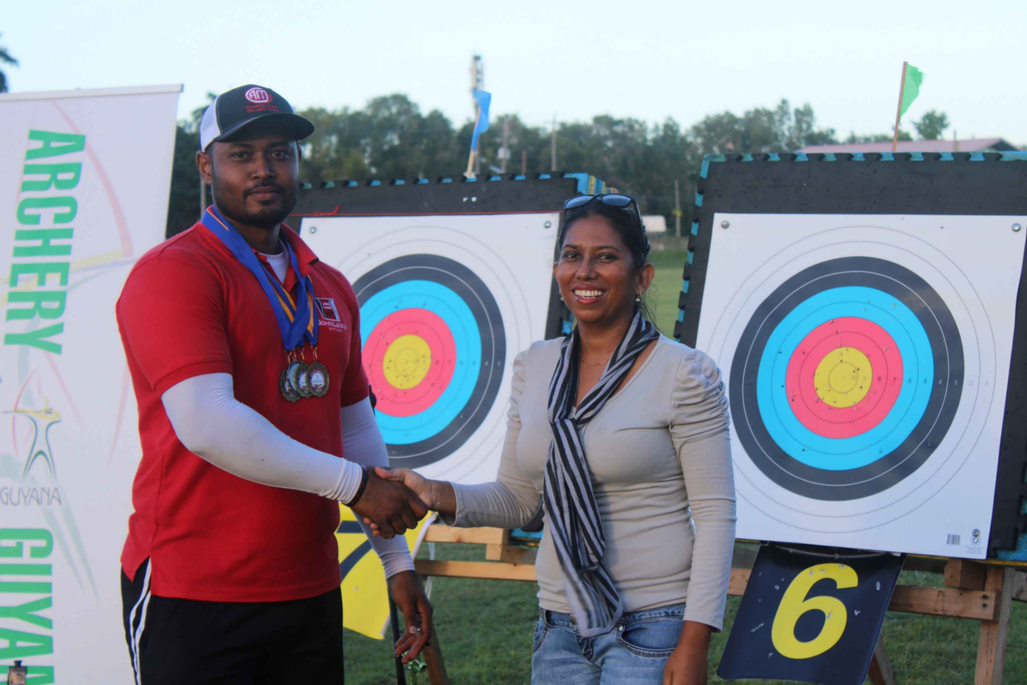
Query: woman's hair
point(625, 220)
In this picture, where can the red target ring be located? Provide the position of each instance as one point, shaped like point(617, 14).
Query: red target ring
point(885, 378)
point(410, 359)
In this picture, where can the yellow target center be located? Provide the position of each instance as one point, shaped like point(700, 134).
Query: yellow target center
point(407, 362)
point(843, 378)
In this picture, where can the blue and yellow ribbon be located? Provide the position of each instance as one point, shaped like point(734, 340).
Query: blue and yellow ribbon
point(297, 319)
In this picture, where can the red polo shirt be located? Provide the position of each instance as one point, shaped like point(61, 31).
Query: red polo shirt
point(189, 308)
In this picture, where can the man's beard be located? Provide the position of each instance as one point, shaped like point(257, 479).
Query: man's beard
point(266, 218)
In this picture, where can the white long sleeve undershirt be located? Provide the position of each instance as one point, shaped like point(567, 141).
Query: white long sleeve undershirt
point(210, 422)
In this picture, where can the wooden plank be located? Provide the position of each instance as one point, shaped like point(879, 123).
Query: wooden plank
point(481, 536)
point(475, 569)
point(518, 555)
point(991, 646)
point(980, 605)
point(739, 581)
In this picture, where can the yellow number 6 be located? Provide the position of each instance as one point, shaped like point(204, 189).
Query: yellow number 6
point(794, 604)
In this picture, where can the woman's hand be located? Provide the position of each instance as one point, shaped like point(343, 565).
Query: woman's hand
point(421, 486)
point(687, 665)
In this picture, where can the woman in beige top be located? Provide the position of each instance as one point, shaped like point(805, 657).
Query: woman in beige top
point(621, 435)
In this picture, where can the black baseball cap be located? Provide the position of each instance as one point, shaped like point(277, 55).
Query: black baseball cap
point(234, 110)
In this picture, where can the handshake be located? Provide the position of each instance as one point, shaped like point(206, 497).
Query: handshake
point(394, 501)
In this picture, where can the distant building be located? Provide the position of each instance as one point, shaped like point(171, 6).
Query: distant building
point(967, 145)
point(655, 223)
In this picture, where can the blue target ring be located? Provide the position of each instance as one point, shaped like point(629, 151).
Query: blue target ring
point(453, 310)
point(891, 315)
point(414, 288)
point(888, 296)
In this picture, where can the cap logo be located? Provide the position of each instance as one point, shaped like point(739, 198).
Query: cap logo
point(258, 96)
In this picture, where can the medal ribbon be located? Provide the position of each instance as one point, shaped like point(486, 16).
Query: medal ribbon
point(296, 322)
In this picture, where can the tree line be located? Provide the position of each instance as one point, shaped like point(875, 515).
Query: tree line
point(391, 138)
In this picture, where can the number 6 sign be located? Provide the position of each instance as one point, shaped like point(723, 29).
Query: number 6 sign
point(812, 616)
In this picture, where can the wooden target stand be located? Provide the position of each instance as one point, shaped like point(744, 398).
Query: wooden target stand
point(977, 591)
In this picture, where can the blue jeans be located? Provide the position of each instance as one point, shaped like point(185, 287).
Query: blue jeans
point(634, 652)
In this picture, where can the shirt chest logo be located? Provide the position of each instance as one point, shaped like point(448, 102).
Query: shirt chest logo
point(329, 312)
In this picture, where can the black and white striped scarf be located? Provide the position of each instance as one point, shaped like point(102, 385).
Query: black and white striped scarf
point(572, 512)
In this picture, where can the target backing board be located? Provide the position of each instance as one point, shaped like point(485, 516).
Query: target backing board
point(866, 371)
point(446, 302)
point(867, 351)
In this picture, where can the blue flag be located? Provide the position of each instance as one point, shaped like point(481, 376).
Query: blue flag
point(482, 124)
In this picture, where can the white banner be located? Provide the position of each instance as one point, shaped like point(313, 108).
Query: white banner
point(84, 181)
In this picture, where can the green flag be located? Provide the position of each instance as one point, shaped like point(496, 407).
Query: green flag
point(914, 77)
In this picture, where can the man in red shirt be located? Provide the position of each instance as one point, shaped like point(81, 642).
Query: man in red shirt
point(254, 417)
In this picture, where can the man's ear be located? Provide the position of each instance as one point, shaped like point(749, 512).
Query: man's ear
point(205, 164)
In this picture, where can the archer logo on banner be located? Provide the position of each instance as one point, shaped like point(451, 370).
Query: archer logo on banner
point(811, 615)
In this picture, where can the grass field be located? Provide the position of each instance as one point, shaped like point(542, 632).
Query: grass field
point(485, 632)
point(663, 295)
point(485, 627)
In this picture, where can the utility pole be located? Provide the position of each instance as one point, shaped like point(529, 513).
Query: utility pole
point(477, 78)
point(477, 82)
point(677, 209)
point(504, 149)
point(552, 147)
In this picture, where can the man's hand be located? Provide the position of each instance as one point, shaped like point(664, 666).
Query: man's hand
point(409, 596)
point(438, 495)
point(391, 506)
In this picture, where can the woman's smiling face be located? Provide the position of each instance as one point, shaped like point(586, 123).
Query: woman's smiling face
point(596, 273)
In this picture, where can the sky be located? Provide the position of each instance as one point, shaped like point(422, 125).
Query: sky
point(549, 60)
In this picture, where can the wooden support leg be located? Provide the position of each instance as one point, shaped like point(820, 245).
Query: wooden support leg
point(433, 659)
point(881, 671)
point(991, 648)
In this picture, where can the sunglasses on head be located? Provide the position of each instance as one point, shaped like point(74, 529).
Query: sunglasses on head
point(615, 200)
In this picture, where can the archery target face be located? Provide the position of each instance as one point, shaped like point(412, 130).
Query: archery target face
point(865, 359)
point(445, 304)
point(434, 351)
